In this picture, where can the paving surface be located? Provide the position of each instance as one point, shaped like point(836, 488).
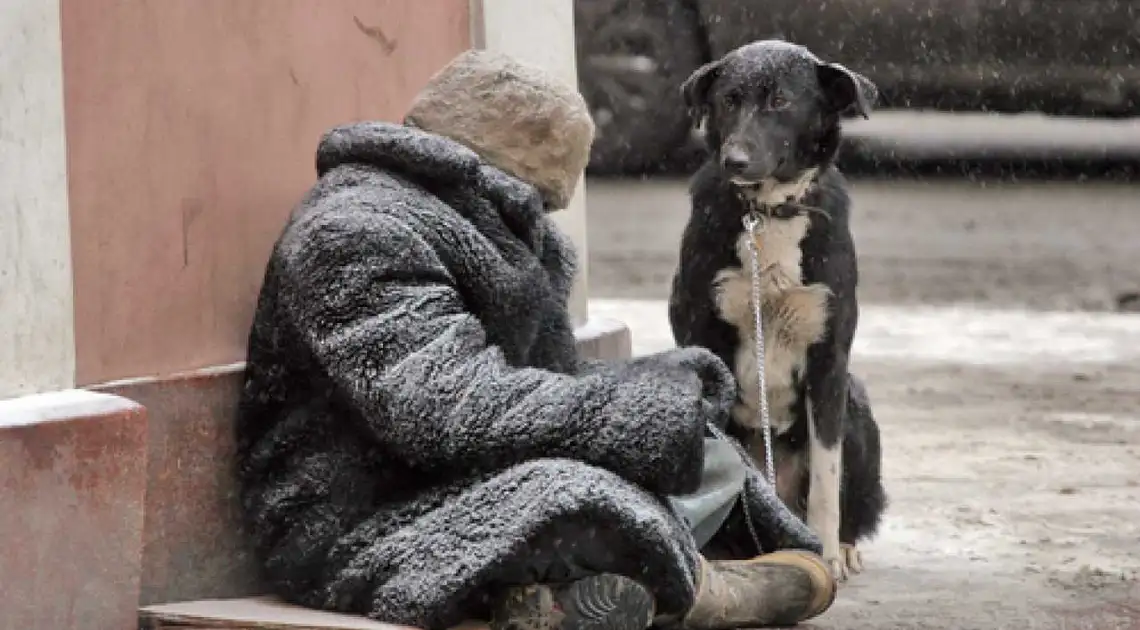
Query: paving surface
point(1010, 407)
point(1037, 245)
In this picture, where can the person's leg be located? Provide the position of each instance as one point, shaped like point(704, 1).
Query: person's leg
point(706, 509)
point(576, 576)
point(581, 572)
point(609, 556)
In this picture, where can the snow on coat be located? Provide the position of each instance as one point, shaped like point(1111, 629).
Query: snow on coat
point(414, 413)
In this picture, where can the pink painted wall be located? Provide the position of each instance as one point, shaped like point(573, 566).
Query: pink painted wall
point(191, 127)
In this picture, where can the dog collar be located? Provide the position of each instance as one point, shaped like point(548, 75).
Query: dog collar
point(787, 209)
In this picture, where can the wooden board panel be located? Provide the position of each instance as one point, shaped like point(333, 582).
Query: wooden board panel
point(256, 613)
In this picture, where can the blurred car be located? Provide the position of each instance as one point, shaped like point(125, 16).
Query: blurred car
point(1061, 57)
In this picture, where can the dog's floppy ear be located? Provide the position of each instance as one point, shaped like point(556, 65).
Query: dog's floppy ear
point(846, 90)
point(695, 89)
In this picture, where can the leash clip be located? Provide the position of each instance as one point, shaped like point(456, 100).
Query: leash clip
point(752, 220)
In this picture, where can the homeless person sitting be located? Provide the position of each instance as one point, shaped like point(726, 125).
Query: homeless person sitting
point(419, 441)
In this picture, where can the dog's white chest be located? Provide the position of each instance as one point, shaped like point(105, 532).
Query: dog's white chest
point(794, 317)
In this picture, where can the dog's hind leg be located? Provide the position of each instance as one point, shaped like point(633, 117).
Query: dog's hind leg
point(864, 499)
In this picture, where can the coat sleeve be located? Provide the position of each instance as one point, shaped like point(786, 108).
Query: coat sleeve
point(380, 314)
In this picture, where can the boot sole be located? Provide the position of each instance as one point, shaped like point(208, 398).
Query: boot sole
point(600, 602)
point(823, 583)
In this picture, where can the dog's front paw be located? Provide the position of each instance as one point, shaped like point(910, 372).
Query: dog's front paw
point(844, 560)
point(733, 297)
point(838, 565)
point(852, 557)
point(801, 312)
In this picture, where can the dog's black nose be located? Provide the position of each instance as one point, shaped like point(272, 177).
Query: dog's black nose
point(734, 161)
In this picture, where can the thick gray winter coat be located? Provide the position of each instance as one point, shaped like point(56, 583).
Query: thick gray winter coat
point(414, 413)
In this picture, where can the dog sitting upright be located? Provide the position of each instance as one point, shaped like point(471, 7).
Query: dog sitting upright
point(771, 112)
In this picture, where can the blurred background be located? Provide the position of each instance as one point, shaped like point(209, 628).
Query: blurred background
point(1006, 130)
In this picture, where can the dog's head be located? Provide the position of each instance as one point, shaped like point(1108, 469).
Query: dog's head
point(771, 110)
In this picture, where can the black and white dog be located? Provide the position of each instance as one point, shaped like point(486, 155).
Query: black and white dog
point(771, 112)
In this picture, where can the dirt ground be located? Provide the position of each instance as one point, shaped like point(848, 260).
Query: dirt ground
point(1007, 395)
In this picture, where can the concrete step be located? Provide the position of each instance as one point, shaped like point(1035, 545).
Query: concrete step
point(256, 613)
point(72, 481)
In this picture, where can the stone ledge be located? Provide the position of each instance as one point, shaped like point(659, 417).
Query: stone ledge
point(194, 545)
point(604, 338)
point(72, 484)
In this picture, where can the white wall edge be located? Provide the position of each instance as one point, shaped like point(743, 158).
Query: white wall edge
point(547, 41)
point(37, 307)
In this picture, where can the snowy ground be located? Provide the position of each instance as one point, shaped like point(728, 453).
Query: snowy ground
point(1013, 474)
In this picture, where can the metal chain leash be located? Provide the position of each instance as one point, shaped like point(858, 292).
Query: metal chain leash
point(753, 221)
point(744, 507)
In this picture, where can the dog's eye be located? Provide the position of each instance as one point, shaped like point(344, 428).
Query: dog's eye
point(732, 99)
point(778, 101)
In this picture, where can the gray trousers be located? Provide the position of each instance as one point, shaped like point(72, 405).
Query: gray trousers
point(722, 482)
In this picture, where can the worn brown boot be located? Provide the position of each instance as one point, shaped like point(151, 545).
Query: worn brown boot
point(782, 588)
